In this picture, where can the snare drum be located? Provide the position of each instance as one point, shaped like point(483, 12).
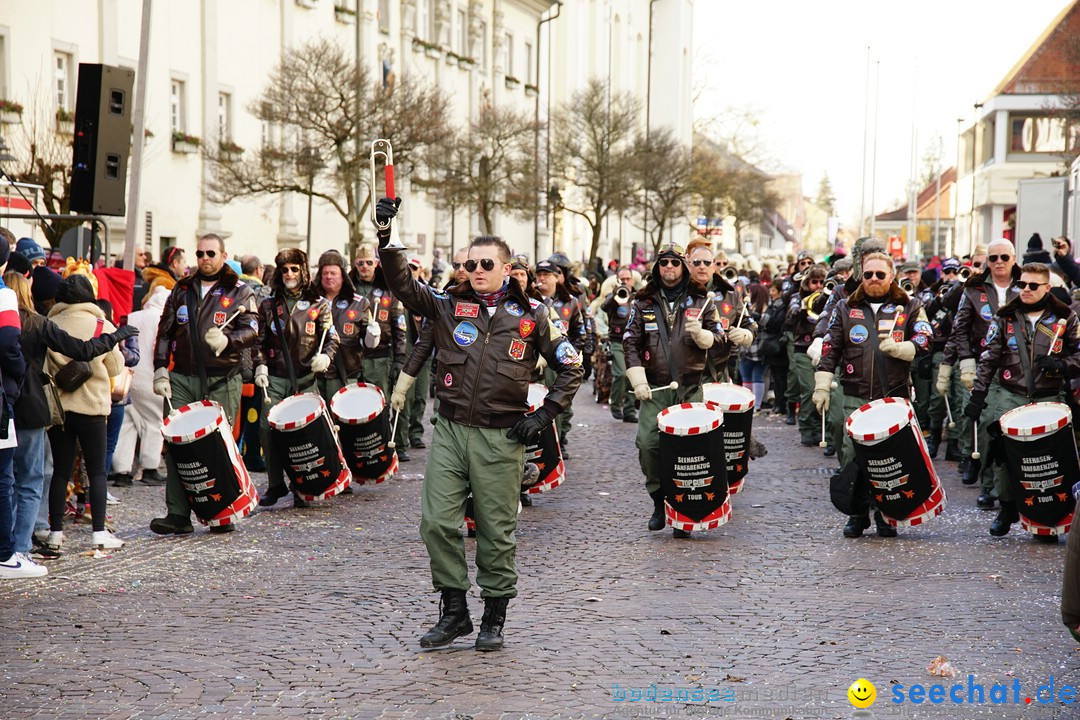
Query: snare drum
point(546, 453)
point(693, 469)
point(303, 439)
point(737, 405)
point(1040, 453)
point(364, 430)
point(214, 478)
point(892, 454)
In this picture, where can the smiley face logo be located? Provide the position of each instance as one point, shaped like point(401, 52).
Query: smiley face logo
point(862, 693)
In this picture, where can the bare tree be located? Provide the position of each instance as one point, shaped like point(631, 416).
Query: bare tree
point(724, 184)
point(826, 198)
point(664, 171)
point(490, 166)
point(594, 152)
point(311, 98)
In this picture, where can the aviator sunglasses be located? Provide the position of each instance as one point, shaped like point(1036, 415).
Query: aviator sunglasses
point(487, 263)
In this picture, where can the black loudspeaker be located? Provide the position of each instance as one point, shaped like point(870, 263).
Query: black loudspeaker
point(102, 139)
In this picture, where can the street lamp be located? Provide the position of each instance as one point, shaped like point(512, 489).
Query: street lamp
point(308, 163)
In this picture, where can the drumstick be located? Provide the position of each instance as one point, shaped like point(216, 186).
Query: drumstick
point(322, 339)
point(975, 451)
point(673, 385)
point(823, 444)
point(393, 431)
point(1057, 329)
point(240, 309)
point(948, 411)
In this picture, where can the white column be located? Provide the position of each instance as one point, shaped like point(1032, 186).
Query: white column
point(209, 213)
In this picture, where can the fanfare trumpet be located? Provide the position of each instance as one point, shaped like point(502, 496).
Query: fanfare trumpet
point(730, 274)
point(907, 286)
point(622, 294)
point(964, 273)
point(381, 148)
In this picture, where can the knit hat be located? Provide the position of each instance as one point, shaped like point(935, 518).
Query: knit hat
point(74, 289)
point(18, 263)
point(30, 249)
point(1035, 251)
point(46, 283)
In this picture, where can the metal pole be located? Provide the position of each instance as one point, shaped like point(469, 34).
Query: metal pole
point(139, 118)
point(937, 200)
point(82, 218)
point(873, 163)
point(310, 197)
point(536, 133)
point(865, 133)
point(358, 140)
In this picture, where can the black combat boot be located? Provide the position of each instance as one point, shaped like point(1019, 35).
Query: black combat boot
point(933, 442)
point(657, 521)
point(884, 529)
point(971, 475)
point(986, 500)
point(1005, 519)
point(963, 465)
point(453, 621)
point(680, 534)
point(616, 412)
point(952, 450)
point(790, 419)
point(630, 416)
point(491, 626)
point(855, 525)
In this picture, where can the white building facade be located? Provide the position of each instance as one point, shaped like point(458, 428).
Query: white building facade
point(210, 59)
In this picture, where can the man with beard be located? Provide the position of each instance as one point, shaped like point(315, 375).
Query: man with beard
point(982, 295)
point(873, 337)
point(488, 335)
point(292, 323)
point(352, 320)
point(1031, 352)
point(206, 358)
point(667, 298)
point(382, 363)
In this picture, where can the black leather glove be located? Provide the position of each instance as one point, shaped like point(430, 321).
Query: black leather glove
point(1050, 363)
point(527, 430)
point(385, 211)
point(123, 333)
point(975, 406)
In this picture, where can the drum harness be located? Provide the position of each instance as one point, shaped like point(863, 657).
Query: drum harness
point(285, 349)
point(662, 326)
point(879, 358)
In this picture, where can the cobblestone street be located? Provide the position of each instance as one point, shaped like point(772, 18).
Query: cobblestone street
point(316, 613)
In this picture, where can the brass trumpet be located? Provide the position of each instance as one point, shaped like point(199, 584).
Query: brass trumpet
point(964, 273)
point(730, 274)
point(830, 285)
point(382, 148)
point(808, 304)
point(907, 286)
point(622, 295)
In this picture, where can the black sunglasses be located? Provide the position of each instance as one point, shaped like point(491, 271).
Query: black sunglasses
point(1021, 285)
point(949, 271)
point(668, 262)
point(487, 263)
point(871, 274)
point(208, 253)
point(457, 266)
point(699, 263)
point(363, 263)
point(290, 270)
point(1003, 258)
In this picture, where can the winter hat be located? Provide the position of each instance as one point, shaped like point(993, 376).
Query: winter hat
point(30, 249)
point(75, 289)
point(46, 284)
point(5, 252)
point(1035, 251)
point(18, 263)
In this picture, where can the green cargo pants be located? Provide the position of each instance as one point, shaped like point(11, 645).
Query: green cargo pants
point(487, 463)
point(562, 422)
point(648, 434)
point(622, 398)
point(277, 391)
point(809, 417)
point(185, 389)
point(377, 372)
point(835, 417)
point(416, 402)
point(846, 451)
point(792, 392)
point(998, 403)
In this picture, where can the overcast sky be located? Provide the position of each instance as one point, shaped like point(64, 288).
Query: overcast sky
point(802, 66)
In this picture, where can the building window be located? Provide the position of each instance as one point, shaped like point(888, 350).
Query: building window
point(425, 18)
point(62, 80)
point(462, 47)
point(176, 106)
point(384, 16)
point(508, 55)
point(481, 50)
point(4, 67)
point(529, 64)
point(224, 114)
point(1039, 134)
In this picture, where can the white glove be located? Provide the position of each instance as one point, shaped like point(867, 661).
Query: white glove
point(541, 363)
point(373, 335)
point(900, 350)
point(701, 337)
point(636, 377)
point(944, 379)
point(401, 389)
point(822, 389)
point(262, 377)
point(162, 385)
point(967, 373)
point(216, 340)
point(814, 351)
point(320, 363)
point(740, 337)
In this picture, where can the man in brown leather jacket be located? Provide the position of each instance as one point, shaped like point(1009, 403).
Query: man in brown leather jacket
point(570, 318)
point(873, 336)
point(739, 326)
point(206, 357)
point(667, 298)
point(353, 321)
point(1031, 353)
point(617, 308)
point(802, 326)
point(297, 341)
point(488, 335)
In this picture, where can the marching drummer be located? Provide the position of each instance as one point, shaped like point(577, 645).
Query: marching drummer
point(874, 334)
point(1031, 352)
point(666, 340)
point(802, 324)
point(570, 319)
point(738, 325)
point(297, 342)
point(617, 308)
point(206, 353)
point(352, 320)
point(488, 335)
point(383, 362)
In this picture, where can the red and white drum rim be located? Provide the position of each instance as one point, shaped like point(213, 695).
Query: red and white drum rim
point(931, 508)
point(202, 432)
point(667, 415)
point(1036, 529)
point(320, 408)
point(357, 420)
point(1010, 426)
point(745, 396)
point(717, 518)
point(885, 432)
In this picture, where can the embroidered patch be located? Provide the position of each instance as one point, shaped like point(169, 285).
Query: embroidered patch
point(856, 314)
point(986, 313)
point(309, 328)
point(384, 315)
point(342, 304)
point(517, 349)
point(567, 354)
point(377, 292)
point(274, 328)
point(646, 356)
point(465, 334)
point(560, 326)
point(181, 314)
point(1057, 346)
point(693, 313)
point(858, 334)
point(217, 291)
point(313, 313)
point(1012, 344)
point(525, 327)
point(226, 302)
point(351, 314)
point(219, 318)
point(651, 327)
point(622, 311)
point(302, 304)
point(349, 329)
point(565, 311)
point(901, 318)
point(448, 380)
point(920, 340)
point(385, 301)
point(850, 369)
point(923, 327)
point(401, 322)
point(466, 310)
point(982, 297)
point(888, 308)
point(725, 323)
point(514, 309)
point(826, 348)
point(1006, 375)
point(991, 332)
point(726, 308)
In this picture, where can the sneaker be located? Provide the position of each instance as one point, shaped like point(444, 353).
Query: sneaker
point(20, 566)
point(40, 536)
point(45, 553)
point(55, 540)
point(111, 499)
point(105, 540)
